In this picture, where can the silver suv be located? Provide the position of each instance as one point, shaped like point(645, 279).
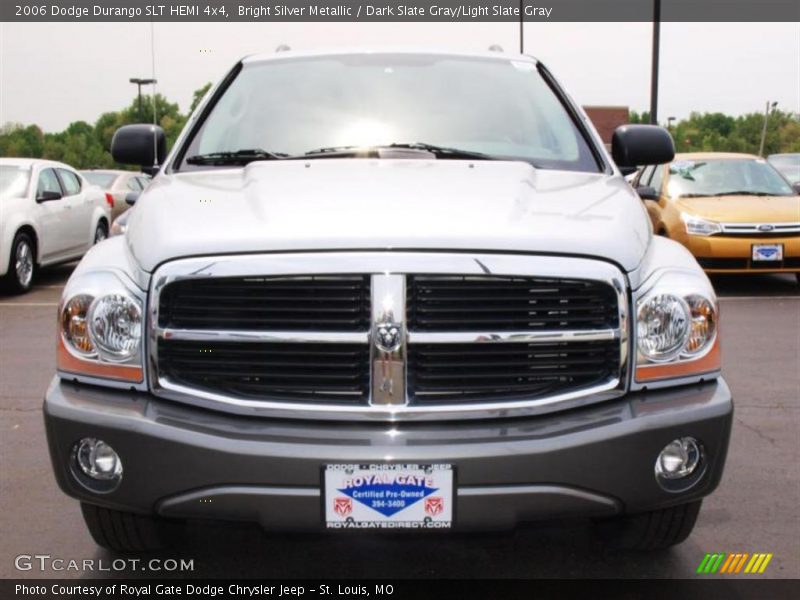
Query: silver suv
point(389, 291)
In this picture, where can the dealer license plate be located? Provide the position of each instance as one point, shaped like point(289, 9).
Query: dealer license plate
point(767, 252)
point(388, 496)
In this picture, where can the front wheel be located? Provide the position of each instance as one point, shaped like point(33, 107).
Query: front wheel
point(127, 532)
point(100, 233)
point(21, 264)
point(654, 530)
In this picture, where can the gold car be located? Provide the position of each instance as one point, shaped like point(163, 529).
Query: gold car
point(734, 212)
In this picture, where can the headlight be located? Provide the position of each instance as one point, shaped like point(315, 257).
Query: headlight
point(662, 327)
point(703, 327)
point(100, 322)
point(74, 326)
point(700, 226)
point(676, 328)
point(115, 326)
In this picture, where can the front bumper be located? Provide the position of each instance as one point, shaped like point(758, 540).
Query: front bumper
point(733, 254)
point(186, 462)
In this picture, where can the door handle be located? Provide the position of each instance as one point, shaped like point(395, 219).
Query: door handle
point(67, 207)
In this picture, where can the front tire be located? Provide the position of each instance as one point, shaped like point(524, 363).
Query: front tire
point(653, 530)
point(21, 264)
point(127, 532)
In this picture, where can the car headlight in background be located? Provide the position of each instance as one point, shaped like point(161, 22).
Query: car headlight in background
point(676, 328)
point(699, 226)
point(100, 323)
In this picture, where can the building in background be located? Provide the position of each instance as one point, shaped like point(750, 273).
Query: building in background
point(606, 119)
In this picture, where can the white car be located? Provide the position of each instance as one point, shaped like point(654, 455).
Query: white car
point(48, 214)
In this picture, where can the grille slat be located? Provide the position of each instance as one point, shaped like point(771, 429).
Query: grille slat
point(298, 303)
point(334, 373)
point(468, 303)
point(481, 372)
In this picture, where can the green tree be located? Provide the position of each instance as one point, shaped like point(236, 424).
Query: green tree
point(198, 95)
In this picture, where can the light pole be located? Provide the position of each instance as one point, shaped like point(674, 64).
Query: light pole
point(139, 83)
point(770, 106)
point(670, 120)
point(654, 66)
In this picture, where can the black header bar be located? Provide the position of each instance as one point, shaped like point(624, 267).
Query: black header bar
point(464, 11)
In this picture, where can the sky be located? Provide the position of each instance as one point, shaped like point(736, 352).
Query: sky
point(54, 73)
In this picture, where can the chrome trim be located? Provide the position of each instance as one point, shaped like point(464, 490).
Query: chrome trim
point(311, 337)
point(524, 337)
point(759, 228)
point(391, 265)
point(388, 341)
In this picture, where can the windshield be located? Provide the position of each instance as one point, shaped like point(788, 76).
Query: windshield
point(725, 177)
point(104, 180)
point(14, 181)
point(502, 108)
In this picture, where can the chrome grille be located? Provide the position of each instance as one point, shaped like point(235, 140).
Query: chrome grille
point(388, 335)
point(445, 373)
point(337, 373)
point(460, 303)
point(311, 303)
point(760, 229)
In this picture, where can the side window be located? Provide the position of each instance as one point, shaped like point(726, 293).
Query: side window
point(133, 184)
point(72, 185)
point(48, 182)
point(658, 176)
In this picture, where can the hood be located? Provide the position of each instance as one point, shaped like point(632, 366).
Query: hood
point(744, 209)
point(366, 204)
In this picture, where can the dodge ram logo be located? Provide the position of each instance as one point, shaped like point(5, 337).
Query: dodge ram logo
point(387, 336)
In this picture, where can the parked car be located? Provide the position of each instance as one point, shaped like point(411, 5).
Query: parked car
point(120, 224)
point(408, 291)
point(788, 165)
point(48, 214)
point(734, 212)
point(117, 185)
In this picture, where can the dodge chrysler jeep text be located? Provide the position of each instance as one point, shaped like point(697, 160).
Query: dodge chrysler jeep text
point(391, 291)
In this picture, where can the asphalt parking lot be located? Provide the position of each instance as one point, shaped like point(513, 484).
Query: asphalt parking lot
point(754, 510)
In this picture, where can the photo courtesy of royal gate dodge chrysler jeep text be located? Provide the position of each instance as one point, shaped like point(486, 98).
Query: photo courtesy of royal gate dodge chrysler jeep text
point(389, 291)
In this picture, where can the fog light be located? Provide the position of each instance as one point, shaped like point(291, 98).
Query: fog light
point(679, 459)
point(98, 460)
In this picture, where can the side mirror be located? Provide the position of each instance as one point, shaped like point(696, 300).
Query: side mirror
point(131, 198)
point(141, 145)
point(47, 195)
point(647, 193)
point(796, 187)
point(627, 170)
point(633, 145)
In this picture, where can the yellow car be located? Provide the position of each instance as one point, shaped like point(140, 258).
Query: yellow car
point(734, 212)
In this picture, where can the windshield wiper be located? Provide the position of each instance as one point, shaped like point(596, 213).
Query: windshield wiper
point(742, 193)
point(372, 151)
point(238, 157)
point(445, 152)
